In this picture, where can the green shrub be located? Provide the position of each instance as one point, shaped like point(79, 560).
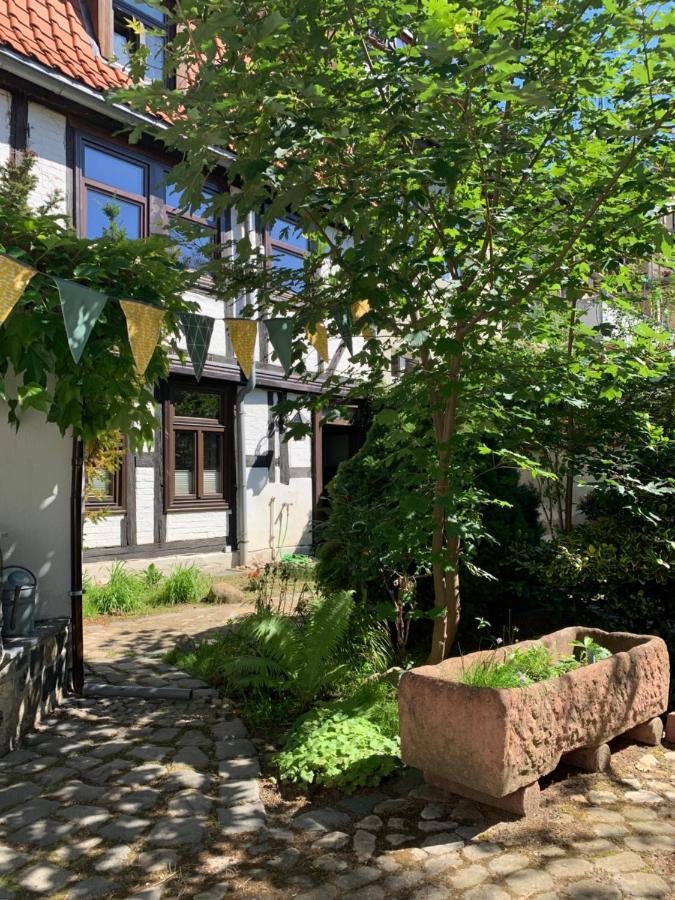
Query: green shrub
point(532, 664)
point(330, 748)
point(152, 576)
point(185, 584)
point(122, 594)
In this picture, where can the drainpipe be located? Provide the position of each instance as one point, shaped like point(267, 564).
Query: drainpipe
point(76, 565)
point(240, 415)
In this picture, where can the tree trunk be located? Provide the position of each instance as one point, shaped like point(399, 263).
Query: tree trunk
point(445, 550)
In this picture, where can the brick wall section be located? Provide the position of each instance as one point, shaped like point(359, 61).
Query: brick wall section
point(47, 139)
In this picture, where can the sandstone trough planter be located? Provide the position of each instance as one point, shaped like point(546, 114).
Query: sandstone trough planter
point(492, 745)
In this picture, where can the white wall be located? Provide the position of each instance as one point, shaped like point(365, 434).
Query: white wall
point(47, 139)
point(104, 532)
point(145, 504)
point(35, 473)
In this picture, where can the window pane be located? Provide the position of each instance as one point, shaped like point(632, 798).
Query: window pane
point(213, 479)
point(101, 485)
point(174, 198)
point(185, 463)
point(121, 48)
point(283, 230)
point(193, 252)
point(281, 259)
point(154, 69)
point(142, 10)
point(128, 216)
point(114, 170)
point(197, 405)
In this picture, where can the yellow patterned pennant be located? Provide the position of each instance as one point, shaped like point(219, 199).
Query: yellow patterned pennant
point(359, 309)
point(14, 278)
point(319, 340)
point(144, 324)
point(243, 333)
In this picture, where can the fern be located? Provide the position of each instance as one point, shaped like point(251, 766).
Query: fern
point(327, 623)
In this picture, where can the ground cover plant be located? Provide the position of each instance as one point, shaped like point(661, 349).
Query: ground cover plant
point(126, 592)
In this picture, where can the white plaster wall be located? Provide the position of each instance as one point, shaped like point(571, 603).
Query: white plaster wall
point(192, 526)
point(279, 515)
point(35, 470)
point(145, 505)
point(105, 532)
point(5, 105)
point(47, 139)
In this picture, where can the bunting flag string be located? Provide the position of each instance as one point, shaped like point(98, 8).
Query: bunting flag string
point(197, 330)
point(319, 340)
point(243, 333)
point(14, 278)
point(144, 324)
point(81, 307)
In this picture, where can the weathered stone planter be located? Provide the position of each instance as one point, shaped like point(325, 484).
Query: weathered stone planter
point(493, 745)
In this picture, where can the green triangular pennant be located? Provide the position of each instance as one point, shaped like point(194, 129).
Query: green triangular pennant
point(197, 330)
point(343, 320)
point(281, 335)
point(81, 306)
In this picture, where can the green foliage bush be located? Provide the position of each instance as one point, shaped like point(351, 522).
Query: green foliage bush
point(330, 748)
point(529, 665)
point(186, 584)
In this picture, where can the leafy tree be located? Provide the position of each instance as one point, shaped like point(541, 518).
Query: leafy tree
point(100, 396)
point(472, 171)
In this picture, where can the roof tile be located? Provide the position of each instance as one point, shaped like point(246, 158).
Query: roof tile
point(53, 32)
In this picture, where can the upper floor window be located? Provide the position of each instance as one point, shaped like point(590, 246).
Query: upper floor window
point(287, 247)
point(197, 233)
point(152, 34)
point(113, 182)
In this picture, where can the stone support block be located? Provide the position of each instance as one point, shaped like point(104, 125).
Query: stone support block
point(650, 732)
point(590, 759)
point(522, 802)
point(670, 727)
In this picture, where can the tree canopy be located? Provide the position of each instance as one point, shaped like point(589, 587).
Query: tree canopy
point(476, 172)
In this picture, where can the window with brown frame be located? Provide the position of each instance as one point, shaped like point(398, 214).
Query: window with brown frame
point(287, 246)
point(151, 34)
point(107, 490)
point(112, 181)
point(197, 446)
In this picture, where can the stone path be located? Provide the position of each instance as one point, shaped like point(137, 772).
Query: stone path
point(128, 797)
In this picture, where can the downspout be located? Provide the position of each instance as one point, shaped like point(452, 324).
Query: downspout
point(240, 416)
point(76, 538)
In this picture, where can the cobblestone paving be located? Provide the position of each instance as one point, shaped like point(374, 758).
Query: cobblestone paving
point(127, 797)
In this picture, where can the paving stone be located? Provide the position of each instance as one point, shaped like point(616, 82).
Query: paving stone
point(241, 819)
point(239, 769)
point(648, 797)
point(593, 846)
point(233, 728)
point(125, 828)
point(507, 863)
point(114, 860)
point(183, 831)
point(111, 748)
point(85, 816)
point(332, 840)
point(329, 862)
point(245, 791)
point(236, 748)
point(387, 863)
point(154, 861)
point(143, 775)
point(91, 887)
point(387, 807)
point(78, 792)
point(370, 823)
point(486, 892)
point(364, 844)
point(528, 881)
point(73, 850)
point(397, 823)
point(599, 814)
point(359, 877)
point(650, 843)
point(192, 756)
point(287, 859)
point(163, 735)
point(395, 839)
point(110, 769)
point(626, 861)
point(434, 827)
point(360, 804)
point(11, 859)
point(592, 890)
point(43, 833)
point(319, 821)
point(445, 842)
point(601, 797)
point(570, 867)
point(189, 803)
point(325, 892)
point(16, 758)
point(43, 878)
point(403, 882)
point(180, 779)
point(23, 815)
point(469, 877)
point(434, 811)
point(215, 892)
point(434, 865)
point(609, 831)
point(480, 851)
point(54, 775)
point(643, 885)
point(149, 752)
point(469, 832)
point(133, 802)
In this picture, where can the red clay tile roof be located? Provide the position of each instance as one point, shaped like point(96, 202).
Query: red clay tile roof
point(54, 33)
